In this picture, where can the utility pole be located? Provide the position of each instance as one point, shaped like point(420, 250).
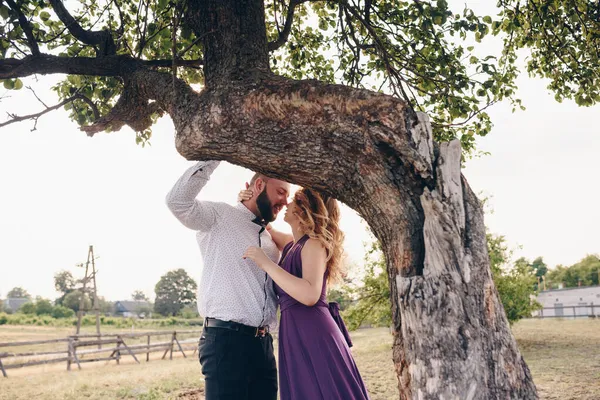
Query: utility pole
point(87, 277)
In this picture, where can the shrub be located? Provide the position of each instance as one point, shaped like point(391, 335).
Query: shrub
point(62, 312)
point(27, 308)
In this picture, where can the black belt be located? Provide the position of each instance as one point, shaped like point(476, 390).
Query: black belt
point(260, 331)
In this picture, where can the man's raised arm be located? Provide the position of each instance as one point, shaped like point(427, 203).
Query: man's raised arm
point(181, 200)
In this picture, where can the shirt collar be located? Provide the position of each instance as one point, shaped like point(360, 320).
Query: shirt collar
point(249, 214)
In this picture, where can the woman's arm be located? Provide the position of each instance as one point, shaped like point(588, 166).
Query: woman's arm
point(280, 238)
point(306, 290)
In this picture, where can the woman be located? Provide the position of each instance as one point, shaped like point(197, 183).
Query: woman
point(314, 356)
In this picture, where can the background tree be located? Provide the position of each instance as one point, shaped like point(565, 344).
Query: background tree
point(73, 301)
point(126, 63)
point(174, 291)
point(105, 306)
point(516, 285)
point(372, 303)
point(584, 273)
point(539, 267)
point(43, 306)
point(139, 295)
point(18, 293)
point(27, 308)
point(64, 283)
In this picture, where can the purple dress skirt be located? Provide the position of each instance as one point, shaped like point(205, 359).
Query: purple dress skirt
point(314, 355)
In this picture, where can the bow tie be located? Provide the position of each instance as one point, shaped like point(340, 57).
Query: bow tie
point(259, 221)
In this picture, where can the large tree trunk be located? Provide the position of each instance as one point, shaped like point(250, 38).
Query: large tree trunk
point(371, 151)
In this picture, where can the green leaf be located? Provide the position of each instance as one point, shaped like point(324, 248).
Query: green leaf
point(9, 84)
point(487, 19)
point(18, 84)
point(45, 16)
point(4, 12)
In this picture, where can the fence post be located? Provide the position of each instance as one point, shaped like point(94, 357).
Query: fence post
point(574, 314)
point(172, 344)
point(593, 314)
point(2, 368)
point(148, 353)
point(69, 355)
point(118, 350)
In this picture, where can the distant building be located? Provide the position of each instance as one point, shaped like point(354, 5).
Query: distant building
point(135, 309)
point(12, 304)
point(569, 302)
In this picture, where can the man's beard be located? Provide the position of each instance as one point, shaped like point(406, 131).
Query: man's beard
point(265, 207)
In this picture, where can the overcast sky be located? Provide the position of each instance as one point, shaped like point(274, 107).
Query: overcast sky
point(62, 191)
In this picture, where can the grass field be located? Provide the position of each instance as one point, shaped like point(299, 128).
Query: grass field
point(562, 355)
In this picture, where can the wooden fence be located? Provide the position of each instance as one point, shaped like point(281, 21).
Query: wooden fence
point(77, 353)
point(579, 311)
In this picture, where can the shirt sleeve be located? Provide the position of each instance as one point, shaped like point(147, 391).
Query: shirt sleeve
point(181, 200)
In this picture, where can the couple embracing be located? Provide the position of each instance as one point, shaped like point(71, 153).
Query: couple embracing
point(250, 269)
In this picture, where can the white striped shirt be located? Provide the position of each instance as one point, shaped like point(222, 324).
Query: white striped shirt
point(231, 288)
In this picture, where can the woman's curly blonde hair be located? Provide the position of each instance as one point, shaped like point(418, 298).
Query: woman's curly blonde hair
point(319, 218)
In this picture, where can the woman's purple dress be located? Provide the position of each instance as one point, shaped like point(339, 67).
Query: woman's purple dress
point(314, 358)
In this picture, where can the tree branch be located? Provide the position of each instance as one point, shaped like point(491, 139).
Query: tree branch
point(103, 39)
point(26, 27)
point(77, 96)
point(121, 65)
point(289, 20)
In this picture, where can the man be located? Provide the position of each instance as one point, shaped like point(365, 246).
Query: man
point(235, 296)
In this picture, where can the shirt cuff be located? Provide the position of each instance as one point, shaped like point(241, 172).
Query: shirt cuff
point(204, 169)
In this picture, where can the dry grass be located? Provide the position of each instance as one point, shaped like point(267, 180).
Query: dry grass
point(562, 356)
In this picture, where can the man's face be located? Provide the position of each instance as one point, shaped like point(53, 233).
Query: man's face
point(272, 198)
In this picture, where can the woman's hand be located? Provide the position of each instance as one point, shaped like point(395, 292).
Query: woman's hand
point(257, 255)
point(245, 195)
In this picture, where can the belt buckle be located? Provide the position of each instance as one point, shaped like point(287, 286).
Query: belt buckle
point(261, 331)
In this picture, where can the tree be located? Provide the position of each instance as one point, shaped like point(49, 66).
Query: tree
point(373, 299)
point(539, 267)
point(129, 62)
point(174, 291)
point(516, 285)
point(585, 273)
point(139, 295)
point(73, 301)
point(64, 282)
point(562, 36)
point(18, 293)
point(27, 308)
point(43, 306)
point(105, 306)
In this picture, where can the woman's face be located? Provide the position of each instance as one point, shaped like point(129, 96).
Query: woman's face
point(290, 213)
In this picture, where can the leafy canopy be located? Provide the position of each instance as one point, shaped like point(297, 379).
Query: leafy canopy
point(174, 291)
point(429, 53)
